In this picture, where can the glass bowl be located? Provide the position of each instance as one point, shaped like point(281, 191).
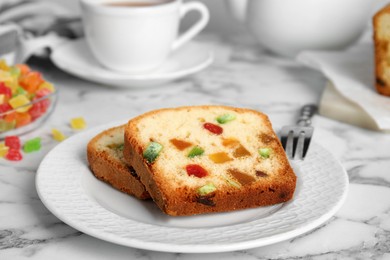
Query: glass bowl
point(28, 117)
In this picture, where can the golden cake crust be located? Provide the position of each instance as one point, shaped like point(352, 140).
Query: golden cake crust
point(111, 169)
point(183, 199)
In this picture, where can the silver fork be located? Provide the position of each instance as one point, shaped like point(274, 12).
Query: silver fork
point(296, 139)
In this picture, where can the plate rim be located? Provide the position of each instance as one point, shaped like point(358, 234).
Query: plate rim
point(120, 78)
point(188, 248)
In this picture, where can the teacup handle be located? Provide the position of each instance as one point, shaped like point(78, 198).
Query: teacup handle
point(197, 27)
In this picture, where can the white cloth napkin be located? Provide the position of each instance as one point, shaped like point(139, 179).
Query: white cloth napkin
point(352, 74)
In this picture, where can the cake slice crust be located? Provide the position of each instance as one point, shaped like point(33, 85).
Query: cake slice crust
point(243, 166)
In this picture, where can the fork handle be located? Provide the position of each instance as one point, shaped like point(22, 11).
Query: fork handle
point(307, 113)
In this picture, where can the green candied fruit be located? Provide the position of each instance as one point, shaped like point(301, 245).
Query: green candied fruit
point(265, 152)
point(206, 189)
point(152, 151)
point(32, 145)
point(233, 183)
point(196, 151)
point(225, 118)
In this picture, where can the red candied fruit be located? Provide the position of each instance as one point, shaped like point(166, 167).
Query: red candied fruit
point(14, 155)
point(5, 90)
point(4, 108)
point(13, 142)
point(196, 170)
point(215, 129)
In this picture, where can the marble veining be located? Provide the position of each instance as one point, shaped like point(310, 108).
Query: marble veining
point(242, 75)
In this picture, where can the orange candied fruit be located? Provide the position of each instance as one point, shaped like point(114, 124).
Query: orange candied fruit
point(220, 157)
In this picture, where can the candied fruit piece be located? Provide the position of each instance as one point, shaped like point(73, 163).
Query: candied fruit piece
point(196, 151)
point(77, 123)
point(22, 119)
point(220, 157)
point(180, 144)
point(206, 189)
point(57, 135)
point(3, 149)
point(196, 170)
point(242, 178)
point(265, 152)
point(20, 103)
point(31, 81)
point(23, 68)
point(152, 151)
point(215, 129)
point(6, 126)
point(233, 183)
point(225, 118)
point(14, 155)
point(230, 142)
point(261, 174)
point(32, 145)
point(12, 141)
point(241, 151)
point(6, 91)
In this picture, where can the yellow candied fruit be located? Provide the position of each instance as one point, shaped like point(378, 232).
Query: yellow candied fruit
point(46, 85)
point(6, 77)
point(58, 135)
point(3, 150)
point(3, 65)
point(2, 98)
point(220, 157)
point(19, 101)
point(78, 123)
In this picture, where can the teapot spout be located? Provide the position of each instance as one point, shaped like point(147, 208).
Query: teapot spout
point(238, 9)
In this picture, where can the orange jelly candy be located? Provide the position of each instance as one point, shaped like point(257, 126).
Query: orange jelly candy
point(22, 119)
point(31, 81)
point(24, 69)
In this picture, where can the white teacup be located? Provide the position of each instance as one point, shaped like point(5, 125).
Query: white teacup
point(136, 36)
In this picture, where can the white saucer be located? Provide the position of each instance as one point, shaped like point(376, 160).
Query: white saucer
point(75, 58)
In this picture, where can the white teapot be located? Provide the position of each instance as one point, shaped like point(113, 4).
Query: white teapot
point(287, 27)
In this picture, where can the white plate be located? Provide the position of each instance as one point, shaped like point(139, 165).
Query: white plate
point(69, 190)
point(75, 58)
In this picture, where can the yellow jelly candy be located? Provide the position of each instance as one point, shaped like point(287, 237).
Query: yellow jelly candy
point(4, 65)
point(3, 149)
point(2, 98)
point(46, 85)
point(19, 101)
point(6, 77)
point(78, 123)
point(57, 135)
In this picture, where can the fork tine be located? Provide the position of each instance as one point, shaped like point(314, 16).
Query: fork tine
point(300, 148)
point(306, 146)
point(290, 145)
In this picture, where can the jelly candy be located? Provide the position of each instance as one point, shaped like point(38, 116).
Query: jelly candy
point(12, 141)
point(196, 170)
point(42, 92)
point(2, 99)
point(5, 90)
point(3, 65)
point(46, 85)
point(215, 129)
point(23, 68)
point(4, 108)
point(32, 145)
point(152, 151)
point(20, 102)
point(6, 126)
point(78, 123)
point(3, 149)
point(14, 155)
point(31, 81)
point(57, 135)
point(22, 119)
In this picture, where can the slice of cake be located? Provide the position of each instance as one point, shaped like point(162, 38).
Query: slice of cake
point(203, 159)
point(105, 157)
point(382, 50)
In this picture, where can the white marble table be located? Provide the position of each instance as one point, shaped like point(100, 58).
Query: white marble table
point(243, 75)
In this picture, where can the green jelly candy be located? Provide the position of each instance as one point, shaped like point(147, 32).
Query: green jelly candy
point(20, 91)
point(206, 189)
point(6, 126)
point(32, 145)
point(196, 151)
point(15, 72)
point(152, 151)
point(265, 152)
